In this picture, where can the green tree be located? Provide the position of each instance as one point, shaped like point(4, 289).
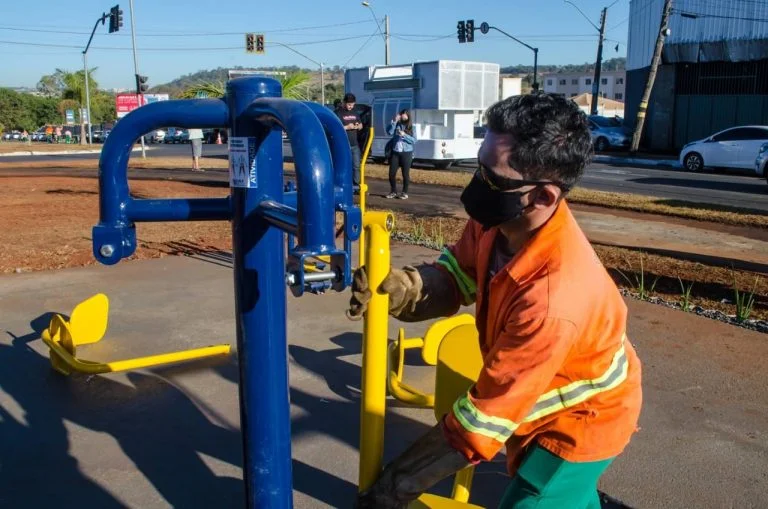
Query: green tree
point(72, 86)
point(293, 83)
point(49, 86)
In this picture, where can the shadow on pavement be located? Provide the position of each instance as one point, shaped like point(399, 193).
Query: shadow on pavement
point(163, 445)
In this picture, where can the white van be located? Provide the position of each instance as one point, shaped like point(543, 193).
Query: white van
point(445, 98)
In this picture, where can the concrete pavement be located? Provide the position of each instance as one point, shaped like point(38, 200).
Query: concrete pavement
point(169, 437)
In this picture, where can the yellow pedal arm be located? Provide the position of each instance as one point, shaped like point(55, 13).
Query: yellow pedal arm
point(398, 389)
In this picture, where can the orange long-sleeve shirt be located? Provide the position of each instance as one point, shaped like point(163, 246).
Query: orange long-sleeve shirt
point(558, 368)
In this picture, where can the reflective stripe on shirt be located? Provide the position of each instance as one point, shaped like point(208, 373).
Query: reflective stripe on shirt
point(500, 429)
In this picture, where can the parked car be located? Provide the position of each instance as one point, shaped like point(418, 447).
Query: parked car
point(760, 163)
point(210, 135)
point(172, 135)
point(608, 132)
point(157, 136)
point(732, 148)
point(98, 136)
point(12, 135)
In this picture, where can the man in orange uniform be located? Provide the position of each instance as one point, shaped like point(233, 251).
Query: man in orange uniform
point(560, 385)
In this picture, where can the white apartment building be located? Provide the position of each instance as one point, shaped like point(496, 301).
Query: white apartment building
point(612, 84)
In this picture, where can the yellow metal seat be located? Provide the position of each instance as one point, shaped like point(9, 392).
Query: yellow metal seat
point(429, 346)
point(87, 325)
point(459, 361)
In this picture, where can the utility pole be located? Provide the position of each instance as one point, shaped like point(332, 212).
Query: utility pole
point(598, 64)
point(136, 68)
point(322, 84)
point(386, 39)
point(643, 107)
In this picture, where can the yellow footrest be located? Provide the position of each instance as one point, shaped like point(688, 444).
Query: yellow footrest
point(87, 325)
point(428, 501)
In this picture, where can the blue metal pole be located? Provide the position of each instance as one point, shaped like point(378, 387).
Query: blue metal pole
point(260, 300)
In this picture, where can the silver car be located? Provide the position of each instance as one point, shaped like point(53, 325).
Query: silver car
point(760, 162)
point(608, 133)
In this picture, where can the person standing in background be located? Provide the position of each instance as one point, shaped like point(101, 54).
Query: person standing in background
point(196, 140)
point(350, 118)
point(403, 139)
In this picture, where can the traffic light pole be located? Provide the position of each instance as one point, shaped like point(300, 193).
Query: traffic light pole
point(136, 69)
point(485, 27)
point(101, 20)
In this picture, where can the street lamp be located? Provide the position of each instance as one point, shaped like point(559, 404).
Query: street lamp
point(384, 34)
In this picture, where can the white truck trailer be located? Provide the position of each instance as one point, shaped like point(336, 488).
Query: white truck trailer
point(445, 97)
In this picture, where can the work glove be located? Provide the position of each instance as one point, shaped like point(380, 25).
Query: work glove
point(428, 461)
point(403, 286)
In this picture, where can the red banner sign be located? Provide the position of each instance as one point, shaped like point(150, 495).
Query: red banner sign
point(126, 103)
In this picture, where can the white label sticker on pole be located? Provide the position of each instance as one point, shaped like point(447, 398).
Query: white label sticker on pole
point(242, 161)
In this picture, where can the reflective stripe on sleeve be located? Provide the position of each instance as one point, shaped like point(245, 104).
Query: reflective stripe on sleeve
point(475, 421)
point(581, 390)
point(466, 284)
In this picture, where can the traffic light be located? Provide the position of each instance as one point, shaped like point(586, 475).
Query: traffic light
point(115, 19)
point(141, 84)
point(259, 43)
point(461, 31)
point(250, 43)
point(470, 26)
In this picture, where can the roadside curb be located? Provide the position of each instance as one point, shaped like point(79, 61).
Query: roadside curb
point(58, 153)
point(637, 161)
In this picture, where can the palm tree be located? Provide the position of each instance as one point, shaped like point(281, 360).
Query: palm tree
point(73, 88)
point(291, 83)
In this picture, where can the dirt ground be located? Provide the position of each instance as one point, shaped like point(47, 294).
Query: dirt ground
point(18, 146)
point(47, 221)
point(663, 276)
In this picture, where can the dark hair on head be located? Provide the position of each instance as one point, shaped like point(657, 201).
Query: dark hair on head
point(551, 135)
point(408, 125)
point(350, 98)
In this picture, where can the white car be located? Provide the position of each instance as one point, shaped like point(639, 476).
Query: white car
point(157, 136)
point(733, 148)
point(761, 168)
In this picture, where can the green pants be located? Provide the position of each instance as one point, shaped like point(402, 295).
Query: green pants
point(547, 481)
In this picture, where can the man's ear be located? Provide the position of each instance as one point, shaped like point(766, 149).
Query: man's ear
point(547, 196)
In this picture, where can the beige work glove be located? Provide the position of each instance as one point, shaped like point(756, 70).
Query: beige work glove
point(403, 286)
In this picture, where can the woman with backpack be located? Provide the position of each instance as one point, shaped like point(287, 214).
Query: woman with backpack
point(402, 142)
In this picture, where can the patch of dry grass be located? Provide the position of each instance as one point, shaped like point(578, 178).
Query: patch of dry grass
point(20, 146)
point(623, 201)
point(713, 287)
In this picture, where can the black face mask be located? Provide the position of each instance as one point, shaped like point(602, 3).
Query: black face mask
point(491, 207)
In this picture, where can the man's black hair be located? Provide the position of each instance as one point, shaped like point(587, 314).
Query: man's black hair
point(350, 98)
point(551, 136)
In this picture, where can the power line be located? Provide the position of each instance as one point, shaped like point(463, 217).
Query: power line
point(617, 25)
point(362, 46)
point(225, 48)
point(42, 29)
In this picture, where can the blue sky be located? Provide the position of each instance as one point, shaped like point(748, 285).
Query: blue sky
point(180, 37)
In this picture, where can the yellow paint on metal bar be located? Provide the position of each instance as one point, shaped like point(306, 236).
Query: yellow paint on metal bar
point(462, 484)
point(374, 370)
point(363, 194)
point(395, 385)
point(88, 325)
